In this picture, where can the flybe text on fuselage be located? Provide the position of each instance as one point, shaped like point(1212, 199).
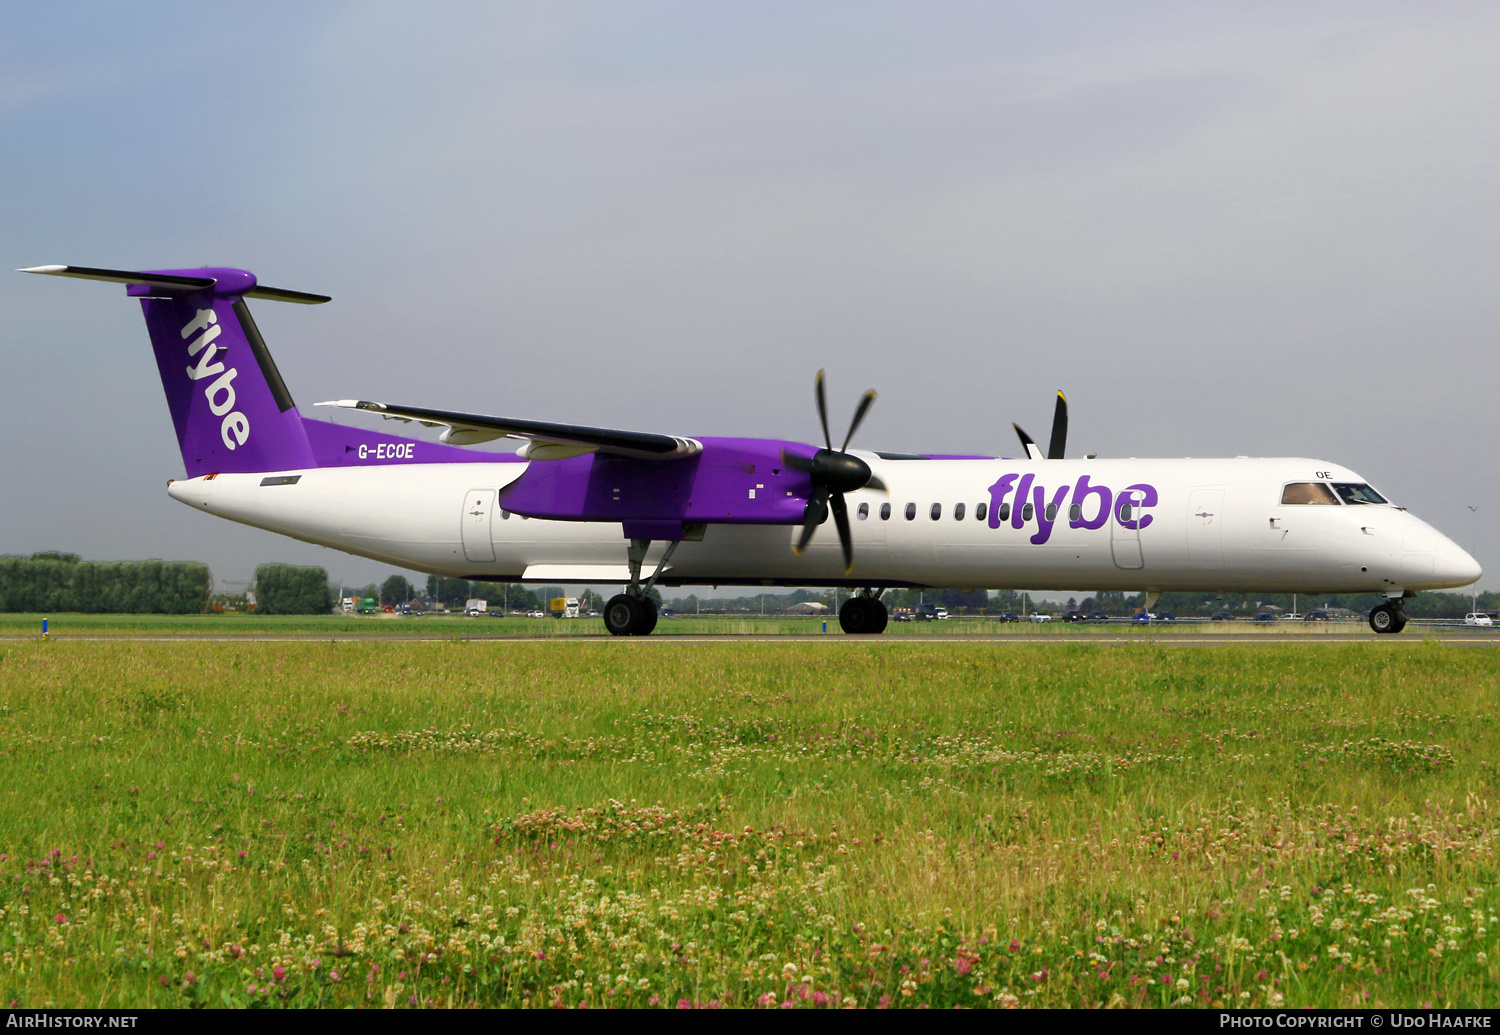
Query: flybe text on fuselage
point(1091, 508)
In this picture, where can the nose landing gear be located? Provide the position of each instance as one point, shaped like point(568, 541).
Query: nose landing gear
point(863, 615)
point(1388, 617)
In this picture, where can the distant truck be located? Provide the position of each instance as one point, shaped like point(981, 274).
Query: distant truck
point(476, 606)
point(931, 613)
point(359, 605)
point(563, 607)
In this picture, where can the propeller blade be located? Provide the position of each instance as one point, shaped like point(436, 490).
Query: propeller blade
point(814, 515)
point(841, 520)
point(875, 483)
point(859, 415)
point(1031, 447)
point(823, 411)
point(1059, 428)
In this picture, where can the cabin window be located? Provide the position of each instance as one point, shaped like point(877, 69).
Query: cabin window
point(1027, 511)
point(1075, 512)
point(885, 512)
point(958, 512)
point(1305, 493)
point(911, 512)
point(1052, 512)
point(1125, 511)
point(979, 509)
point(864, 511)
point(1357, 492)
point(937, 511)
point(1004, 512)
point(504, 515)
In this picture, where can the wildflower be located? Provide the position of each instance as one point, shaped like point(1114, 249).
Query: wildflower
point(278, 973)
point(60, 919)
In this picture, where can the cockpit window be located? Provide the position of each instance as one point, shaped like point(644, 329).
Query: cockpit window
point(1308, 492)
point(1357, 492)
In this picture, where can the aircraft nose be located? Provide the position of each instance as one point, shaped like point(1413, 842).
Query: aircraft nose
point(1453, 566)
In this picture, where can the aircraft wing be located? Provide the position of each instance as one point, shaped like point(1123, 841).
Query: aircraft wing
point(543, 440)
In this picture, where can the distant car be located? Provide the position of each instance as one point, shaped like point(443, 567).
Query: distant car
point(1291, 616)
point(1478, 618)
point(1009, 616)
point(1143, 617)
point(473, 612)
point(1098, 616)
point(535, 614)
point(1222, 616)
point(1315, 616)
point(902, 614)
point(1165, 616)
point(1040, 616)
point(593, 614)
point(1264, 616)
point(931, 613)
point(1074, 616)
point(497, 613)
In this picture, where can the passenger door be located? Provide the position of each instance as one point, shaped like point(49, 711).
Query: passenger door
point(479, 506)
point(1205, 528)
point(1125, 543)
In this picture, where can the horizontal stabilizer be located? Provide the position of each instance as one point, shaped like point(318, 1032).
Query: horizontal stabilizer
point(545, 441)
point(174, 283)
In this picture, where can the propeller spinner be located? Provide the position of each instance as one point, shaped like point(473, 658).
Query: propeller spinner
point(833, 472)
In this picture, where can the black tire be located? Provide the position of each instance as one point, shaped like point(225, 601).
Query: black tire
point(648, 616)
point(861, 616)
point(622, 615)
point(882, 616)
point(1387, 618)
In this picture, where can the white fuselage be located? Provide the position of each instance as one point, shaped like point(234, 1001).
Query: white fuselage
point(1215, 525)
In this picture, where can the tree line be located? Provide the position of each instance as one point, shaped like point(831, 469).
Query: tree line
point(60, 582)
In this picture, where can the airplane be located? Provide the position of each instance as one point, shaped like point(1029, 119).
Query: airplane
point(576, 504)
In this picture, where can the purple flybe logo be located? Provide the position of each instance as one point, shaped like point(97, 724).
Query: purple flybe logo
point(235, 428)
point(1021, 500)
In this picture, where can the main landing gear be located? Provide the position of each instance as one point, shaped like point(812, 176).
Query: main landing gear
point(1388, 617)
point(633, 612)
point(863, 615)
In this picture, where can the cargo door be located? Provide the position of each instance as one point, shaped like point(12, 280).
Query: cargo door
point(479, 505)
point(1125, 542)
point(1205, 528)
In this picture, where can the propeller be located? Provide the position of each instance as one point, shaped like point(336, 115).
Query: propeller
point(833, 472)
point(1058, 444)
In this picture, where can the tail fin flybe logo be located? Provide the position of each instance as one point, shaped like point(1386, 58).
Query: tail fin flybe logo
point(220, 392)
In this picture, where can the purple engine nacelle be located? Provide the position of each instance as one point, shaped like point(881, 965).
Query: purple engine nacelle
point(733, 480)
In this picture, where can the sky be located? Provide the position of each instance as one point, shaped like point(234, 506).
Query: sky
point(1260, 228)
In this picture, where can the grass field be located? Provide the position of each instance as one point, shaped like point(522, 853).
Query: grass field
point(458, 626)
point(901, 823)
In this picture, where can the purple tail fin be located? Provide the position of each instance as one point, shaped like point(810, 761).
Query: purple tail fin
point(231, 410)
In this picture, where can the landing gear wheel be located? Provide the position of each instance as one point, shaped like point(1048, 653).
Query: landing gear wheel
point(1387, 618)
point(623, 615)
point(648, 616)
point(862, 616)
